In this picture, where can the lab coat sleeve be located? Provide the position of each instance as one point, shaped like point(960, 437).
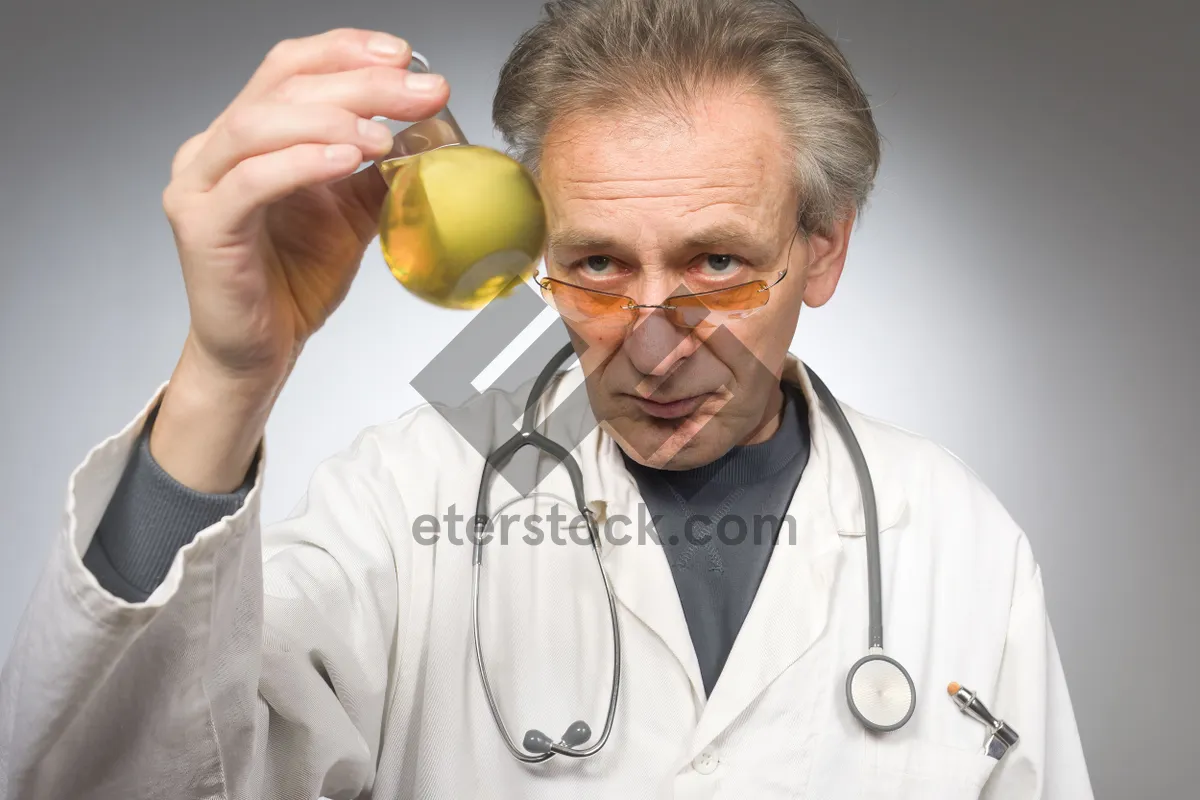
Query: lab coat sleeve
point(1031, 694)
point(257, 669)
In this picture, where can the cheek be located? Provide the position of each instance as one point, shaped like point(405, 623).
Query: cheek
point(596, 346)
point(754, 349)
point(776, 329)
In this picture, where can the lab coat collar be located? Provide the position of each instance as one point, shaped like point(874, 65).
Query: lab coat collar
point(790, 610)
point(841, 480)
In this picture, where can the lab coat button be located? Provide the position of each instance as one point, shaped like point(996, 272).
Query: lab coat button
point(706, 762)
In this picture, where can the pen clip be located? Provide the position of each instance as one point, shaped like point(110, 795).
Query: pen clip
point(1001, 735)
point(1001, 738)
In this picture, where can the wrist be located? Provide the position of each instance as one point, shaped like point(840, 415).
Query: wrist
point(252, 387)
point(210, 422)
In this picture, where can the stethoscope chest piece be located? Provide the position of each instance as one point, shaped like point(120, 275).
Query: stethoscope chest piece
point(880, 692)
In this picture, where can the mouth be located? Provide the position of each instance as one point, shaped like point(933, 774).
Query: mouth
point(672, 409)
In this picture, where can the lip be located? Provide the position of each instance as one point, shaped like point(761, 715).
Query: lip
point(674, 409)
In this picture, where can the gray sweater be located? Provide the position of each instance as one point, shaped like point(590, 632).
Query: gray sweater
point(717, 525)
point(149, 518)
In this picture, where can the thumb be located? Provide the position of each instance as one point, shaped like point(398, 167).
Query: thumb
point(363, 193)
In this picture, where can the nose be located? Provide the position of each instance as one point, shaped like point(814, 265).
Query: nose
point(655, 346)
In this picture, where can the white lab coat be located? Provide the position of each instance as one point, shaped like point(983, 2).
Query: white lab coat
point(331, 654)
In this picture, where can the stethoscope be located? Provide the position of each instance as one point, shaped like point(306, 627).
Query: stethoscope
point(879, 691)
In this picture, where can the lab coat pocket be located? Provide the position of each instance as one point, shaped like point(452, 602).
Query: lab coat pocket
point(916, 769)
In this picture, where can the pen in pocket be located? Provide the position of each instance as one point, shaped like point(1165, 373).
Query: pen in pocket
point(1001, 736)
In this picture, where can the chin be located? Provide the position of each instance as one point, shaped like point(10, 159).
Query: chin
point(680, 444)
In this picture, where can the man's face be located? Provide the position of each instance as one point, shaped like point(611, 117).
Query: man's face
point(649, 208)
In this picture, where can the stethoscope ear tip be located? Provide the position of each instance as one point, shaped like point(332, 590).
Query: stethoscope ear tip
point(577, 734)
point(539, 743)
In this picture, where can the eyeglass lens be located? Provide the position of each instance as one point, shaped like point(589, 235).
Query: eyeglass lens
point(582, 305)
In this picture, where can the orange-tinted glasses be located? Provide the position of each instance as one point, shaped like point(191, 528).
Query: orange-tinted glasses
point(716, 307)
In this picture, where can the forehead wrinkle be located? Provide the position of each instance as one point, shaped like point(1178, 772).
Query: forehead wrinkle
point(626, 206)
point(618, 208)
point(741, 231)
point(636, 187)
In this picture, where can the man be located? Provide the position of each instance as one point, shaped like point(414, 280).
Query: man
point(174, 650)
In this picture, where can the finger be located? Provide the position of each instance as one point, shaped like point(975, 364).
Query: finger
point(261, 180)
point(265, 127)
point(369, 92)
point(333, 51)
point(187, 152)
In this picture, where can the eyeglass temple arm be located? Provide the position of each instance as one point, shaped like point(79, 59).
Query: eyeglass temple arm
point(782, 274)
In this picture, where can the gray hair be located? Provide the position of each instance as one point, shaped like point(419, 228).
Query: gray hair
point(585, 57)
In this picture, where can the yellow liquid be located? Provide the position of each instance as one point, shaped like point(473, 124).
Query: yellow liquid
point(461, 224)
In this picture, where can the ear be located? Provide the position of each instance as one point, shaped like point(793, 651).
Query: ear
point(827, 252)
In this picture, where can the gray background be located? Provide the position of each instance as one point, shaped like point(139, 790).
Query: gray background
point(1023, 288)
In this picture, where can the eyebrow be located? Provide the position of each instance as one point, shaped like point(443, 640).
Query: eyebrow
point(713, 236)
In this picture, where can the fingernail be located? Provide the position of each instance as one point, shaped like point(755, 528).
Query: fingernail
point(423, 81)
point(384, 44)
point(375, 131)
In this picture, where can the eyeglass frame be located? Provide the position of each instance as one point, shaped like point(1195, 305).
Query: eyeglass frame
point(634, 306)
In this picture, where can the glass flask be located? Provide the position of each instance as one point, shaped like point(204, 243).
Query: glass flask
point(461, 224)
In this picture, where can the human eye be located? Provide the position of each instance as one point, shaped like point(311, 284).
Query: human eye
point(721, 265)
point(595, 267)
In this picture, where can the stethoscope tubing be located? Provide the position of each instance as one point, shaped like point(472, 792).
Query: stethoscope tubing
point(529, 436)
point(866, 489)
